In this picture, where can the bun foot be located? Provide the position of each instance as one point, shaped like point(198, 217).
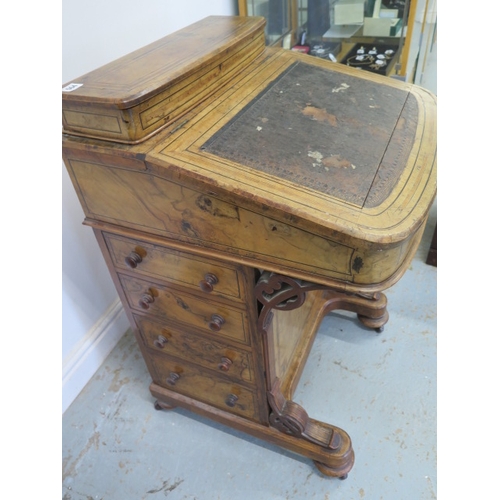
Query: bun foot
point(330, 471)
point(163, 406)
point(376, 323)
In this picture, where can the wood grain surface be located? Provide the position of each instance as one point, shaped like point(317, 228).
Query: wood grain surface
point(238, 193)
point(133, 97)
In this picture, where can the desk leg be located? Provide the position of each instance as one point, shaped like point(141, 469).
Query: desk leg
point(329, 446)
point(333, 454)
point(370, 308)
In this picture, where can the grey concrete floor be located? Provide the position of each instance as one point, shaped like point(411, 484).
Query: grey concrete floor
point(381, 389)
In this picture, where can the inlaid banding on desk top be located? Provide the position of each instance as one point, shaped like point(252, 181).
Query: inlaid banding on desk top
point(343, 136)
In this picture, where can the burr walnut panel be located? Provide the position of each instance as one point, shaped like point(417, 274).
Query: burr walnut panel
point(145, 201)
point(154, 261)
point(202, 350)
point(218, 319)
point(195, 382)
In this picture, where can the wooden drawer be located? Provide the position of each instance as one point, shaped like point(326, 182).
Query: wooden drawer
point(182, 268)
point(234, 363)
point(171, 305)
point(194, 382)
point(164, 207)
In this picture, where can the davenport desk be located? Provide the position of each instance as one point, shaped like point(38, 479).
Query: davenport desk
point(238, 194)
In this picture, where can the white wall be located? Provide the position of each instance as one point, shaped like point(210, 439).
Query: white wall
point(94, 33)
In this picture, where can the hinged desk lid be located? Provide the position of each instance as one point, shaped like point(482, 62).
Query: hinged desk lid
point(330, 132)
point(345, 149)
point(135, 96)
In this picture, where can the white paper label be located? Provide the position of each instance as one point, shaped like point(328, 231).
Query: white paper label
point(72, 86)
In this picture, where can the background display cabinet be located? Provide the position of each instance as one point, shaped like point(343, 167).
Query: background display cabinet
point(387, 37)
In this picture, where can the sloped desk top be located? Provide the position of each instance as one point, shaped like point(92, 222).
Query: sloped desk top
point(334, 152)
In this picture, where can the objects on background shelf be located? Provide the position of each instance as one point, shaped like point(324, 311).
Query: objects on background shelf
point(375, 58)
point(325, 50)
point(348, 12)
point(301, 45)
point(317, 48)
point(301, 48)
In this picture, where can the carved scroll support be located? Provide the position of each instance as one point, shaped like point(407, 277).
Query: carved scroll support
point(370, 308)
point(330, 447)
point(282, 293)
point(275, 291)
point(292, 419)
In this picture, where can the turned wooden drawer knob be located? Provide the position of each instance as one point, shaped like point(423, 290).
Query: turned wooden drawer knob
point(231, 400)
point(173, 378)
point(133, 259)
point(225, 364)
point(146, 300)
point(207, 284)
point(160, 341)
point(216, 322)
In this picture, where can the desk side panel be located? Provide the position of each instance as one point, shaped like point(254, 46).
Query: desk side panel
point(144, 201)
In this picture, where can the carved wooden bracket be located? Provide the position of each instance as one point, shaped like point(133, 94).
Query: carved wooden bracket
point(291, 418)
point(284, 293)
point(275, 291)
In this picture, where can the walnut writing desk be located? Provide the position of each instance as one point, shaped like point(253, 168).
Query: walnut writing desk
point(239, 193)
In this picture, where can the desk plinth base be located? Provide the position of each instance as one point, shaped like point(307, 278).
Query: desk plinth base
point(289, 425)
point(332, 462)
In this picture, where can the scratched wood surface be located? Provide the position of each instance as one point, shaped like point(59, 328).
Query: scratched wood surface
point(194, 382)
point(180, 268)
point(192, 311)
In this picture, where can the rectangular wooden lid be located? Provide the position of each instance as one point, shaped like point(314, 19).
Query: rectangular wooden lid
point(136, 95)
point(133, 78)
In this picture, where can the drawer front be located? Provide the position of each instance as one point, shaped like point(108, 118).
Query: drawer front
point(143, 201)
point(195, 383)
point(171, 305)
point(196, 349)
point(182, 268)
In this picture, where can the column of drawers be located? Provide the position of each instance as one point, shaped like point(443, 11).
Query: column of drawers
point(192, 317)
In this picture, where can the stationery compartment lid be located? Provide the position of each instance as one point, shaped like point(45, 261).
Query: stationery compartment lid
point(138, 94)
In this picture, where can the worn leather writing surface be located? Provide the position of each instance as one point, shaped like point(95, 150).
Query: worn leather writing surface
point(328, 131)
